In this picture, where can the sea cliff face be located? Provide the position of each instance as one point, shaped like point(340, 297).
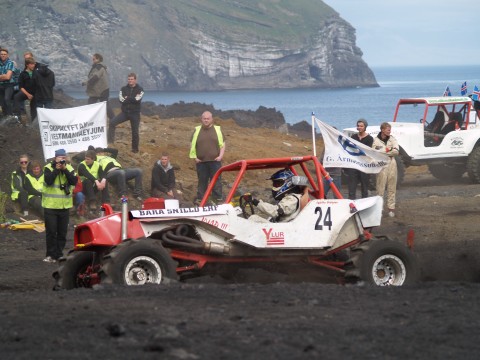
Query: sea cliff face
point(190, 45)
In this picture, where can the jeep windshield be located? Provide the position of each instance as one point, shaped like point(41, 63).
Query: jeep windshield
point(421, 110)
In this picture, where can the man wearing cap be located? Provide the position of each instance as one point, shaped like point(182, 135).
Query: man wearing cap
point(60, 179)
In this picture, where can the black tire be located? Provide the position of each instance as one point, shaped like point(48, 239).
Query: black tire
point(473, 165)
point(138, 262)
point(447, 172)
point(400, 170)
point(78, 270)
point(382, 262)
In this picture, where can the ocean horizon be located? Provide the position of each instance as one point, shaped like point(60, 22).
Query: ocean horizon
point(340, 107)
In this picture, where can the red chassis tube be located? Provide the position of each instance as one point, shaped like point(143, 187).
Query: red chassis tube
point(200, 260)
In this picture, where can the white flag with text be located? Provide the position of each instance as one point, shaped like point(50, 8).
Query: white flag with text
point(345, 152)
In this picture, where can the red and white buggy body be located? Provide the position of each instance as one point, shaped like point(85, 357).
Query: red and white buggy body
point(150, 245)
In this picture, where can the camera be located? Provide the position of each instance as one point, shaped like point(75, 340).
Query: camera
point(65, 188)
point(62, 162)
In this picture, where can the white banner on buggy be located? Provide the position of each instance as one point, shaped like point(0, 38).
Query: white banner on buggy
point(73, 129)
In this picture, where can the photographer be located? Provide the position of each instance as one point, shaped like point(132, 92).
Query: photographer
point(60, 179)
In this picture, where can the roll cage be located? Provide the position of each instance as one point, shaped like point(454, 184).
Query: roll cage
point(299, 165)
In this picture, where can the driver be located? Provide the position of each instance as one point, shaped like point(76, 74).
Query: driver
point(290, 199)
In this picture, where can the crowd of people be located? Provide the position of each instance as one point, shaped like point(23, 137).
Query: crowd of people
point(56, 189)
point(24, 90)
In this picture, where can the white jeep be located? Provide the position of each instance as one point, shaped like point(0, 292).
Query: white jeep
point(446, 137)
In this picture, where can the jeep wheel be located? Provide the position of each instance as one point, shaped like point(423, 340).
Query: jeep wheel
point(382, 262)
point(78, 270)
point(446, 172)
point(138, 262)
point(473, 165)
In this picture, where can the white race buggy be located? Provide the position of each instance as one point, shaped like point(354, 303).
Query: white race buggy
point(153, 244)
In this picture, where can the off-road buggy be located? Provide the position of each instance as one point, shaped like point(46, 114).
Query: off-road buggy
point(154, 243)
point(446, 138)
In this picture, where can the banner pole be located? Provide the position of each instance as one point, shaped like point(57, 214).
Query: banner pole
point(313, 135)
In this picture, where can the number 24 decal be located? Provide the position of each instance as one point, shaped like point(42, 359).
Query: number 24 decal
point(323, 220)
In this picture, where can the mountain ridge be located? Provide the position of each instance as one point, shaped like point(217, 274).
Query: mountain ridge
point(196, 45)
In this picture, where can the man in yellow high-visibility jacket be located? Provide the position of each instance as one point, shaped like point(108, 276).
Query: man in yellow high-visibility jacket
point(34, 182)
point(60, 179)
point(208, 148)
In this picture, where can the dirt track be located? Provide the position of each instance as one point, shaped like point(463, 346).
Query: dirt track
point(266, 315)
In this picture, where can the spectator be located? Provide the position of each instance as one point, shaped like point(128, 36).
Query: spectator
point(34, 186)
point(44, 79)
point(163, 179)
point(90, 174)
point(355, 176)
point(7, 82)
point(97, 84)
point(131, 98)
point(17, 183)
point(57, 200)
point(290, 199)
point(112, 171)
point(207, 148)
point(387, 178)
point(26, 85)
point(79, 198)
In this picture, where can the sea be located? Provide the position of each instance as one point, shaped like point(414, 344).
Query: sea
point(338, 107)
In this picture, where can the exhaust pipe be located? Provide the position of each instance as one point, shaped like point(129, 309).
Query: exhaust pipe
point(124, 201)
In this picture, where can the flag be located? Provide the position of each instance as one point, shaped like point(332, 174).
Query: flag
point(447, 92)
point(342, 151)
point(463, 89)
point(476, 94)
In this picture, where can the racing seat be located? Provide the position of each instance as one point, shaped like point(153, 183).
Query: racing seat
point(437, 122)
point(433, 129)
point(455, 122)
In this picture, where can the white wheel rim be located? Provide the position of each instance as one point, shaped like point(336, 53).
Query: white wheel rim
point(142, 270)
point(389, 270)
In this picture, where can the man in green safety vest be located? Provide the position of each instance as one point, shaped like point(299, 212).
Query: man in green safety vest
point(19, 194)
point(60, 179)
point(34, 186)
point(93, 181)
point(207, 149)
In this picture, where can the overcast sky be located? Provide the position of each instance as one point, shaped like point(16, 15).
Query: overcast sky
point(414, 32)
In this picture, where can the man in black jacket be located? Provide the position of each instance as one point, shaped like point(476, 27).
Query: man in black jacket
point(26, 85)
point(163, 179)
point(44, 79)
point(131, 97)
point(355, 176)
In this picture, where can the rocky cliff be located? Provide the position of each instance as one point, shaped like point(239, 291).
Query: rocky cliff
point(190, 44)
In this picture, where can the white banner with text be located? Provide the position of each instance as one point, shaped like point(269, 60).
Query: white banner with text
point(73, 129)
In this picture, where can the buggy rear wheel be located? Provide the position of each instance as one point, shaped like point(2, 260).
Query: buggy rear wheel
point(138, 262)
point(382, 262)
point(78, 270)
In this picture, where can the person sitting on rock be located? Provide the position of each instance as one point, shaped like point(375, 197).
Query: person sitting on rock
point(111, 169)
point(291, 198)
point(19, 194)
point(93, 182)
point(34, 186)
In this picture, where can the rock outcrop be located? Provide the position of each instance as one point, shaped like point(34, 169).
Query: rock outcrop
point(190, 45)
